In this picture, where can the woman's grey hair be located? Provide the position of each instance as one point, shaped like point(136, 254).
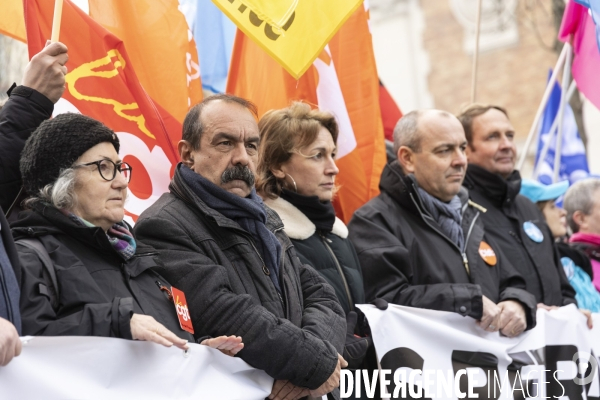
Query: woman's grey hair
point(61, 193)
point(580, 197)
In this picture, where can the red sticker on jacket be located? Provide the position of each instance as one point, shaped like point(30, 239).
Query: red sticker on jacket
point(183, 313)
point(488, 254)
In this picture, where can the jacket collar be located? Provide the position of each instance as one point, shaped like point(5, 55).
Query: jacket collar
point(45, 220)
point(181, 190)
point(398, 185)
point(296, 224)
point(502, 192)
point(402, 187)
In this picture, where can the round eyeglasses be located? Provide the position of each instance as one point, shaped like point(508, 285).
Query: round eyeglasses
point(108, 169)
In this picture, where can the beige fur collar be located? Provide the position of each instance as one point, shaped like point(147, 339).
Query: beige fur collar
point(296, 224)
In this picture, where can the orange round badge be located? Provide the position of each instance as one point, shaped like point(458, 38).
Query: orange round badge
point(487, 253)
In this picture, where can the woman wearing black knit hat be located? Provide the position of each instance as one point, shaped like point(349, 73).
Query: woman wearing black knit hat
point(83, 273)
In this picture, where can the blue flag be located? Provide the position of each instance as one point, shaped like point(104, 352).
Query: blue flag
point(214, 34)
point(573, 160)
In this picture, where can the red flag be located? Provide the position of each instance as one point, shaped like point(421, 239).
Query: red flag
point(390, 113)
point(102, 84)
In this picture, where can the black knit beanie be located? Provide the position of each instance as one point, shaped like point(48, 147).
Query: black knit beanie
point(56, 144)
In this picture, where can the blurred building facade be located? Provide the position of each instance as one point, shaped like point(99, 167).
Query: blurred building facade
point(424, 51)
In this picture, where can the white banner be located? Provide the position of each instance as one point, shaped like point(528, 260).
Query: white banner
point(107, 368)
point(440, 355)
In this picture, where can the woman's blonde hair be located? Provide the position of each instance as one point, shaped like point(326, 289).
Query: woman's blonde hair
point(281, 133)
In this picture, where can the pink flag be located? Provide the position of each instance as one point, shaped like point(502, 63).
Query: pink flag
point(586, 62)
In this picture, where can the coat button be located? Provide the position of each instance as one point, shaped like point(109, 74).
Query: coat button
point(463, 309)
point(266, 270)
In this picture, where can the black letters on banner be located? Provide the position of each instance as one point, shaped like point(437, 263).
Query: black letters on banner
point(402, 357)
point(486, 361)
point(525, 385)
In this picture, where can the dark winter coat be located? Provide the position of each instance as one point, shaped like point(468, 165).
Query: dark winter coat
point(9, 296)
point(296, 336)
point(330, 253)
point(538, 263)
point(98, 292)
point(24, 111)
point(407, 260)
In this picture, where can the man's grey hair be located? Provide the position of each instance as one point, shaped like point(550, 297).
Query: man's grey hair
point(406, 132)
point(580, 197)
point(61, 193)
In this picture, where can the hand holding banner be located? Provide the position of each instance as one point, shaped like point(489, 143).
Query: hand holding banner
point(442, 355)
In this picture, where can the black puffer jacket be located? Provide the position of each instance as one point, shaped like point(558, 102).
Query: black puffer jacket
point(295, 336)
point(508, 211)
point(24, 111)
point(407, 260)
point(330, 253)
point(98, 292)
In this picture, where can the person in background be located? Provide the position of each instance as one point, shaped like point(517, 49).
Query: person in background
point(28, 105)
point(82, 271)
point(582, 203)
point(575, 263)
point(296, 178)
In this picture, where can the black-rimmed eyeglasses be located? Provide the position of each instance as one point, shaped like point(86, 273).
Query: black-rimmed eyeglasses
point(108, 169)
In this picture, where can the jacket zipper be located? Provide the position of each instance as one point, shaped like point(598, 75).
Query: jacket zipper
point(267, 272)
point(339, 268)
point(463, 254)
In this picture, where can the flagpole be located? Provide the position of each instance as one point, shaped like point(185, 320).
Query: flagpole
point(56, 21)
point(561, 113)
point(551, 133)
point(476, 53)
point(538, 115)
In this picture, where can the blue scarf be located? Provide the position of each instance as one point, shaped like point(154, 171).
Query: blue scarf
point(447, 215)
point(248, 212)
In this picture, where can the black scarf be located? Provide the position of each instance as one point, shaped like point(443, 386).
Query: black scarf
point(502, 192)
point(320, 213)
point(248, 212)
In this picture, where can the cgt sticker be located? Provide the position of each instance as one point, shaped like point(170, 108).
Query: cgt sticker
point(487, 253)
point(185, 320)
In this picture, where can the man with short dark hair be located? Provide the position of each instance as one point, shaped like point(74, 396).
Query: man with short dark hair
point(421, 242)
point(228, 252)
point(514, 222)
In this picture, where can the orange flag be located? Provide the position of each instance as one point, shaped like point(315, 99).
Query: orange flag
point(102, 84)
point(12, 20)
point(160, 46)
point(343, 80)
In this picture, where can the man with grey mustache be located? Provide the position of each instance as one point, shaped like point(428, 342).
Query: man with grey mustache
point(229, 254)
